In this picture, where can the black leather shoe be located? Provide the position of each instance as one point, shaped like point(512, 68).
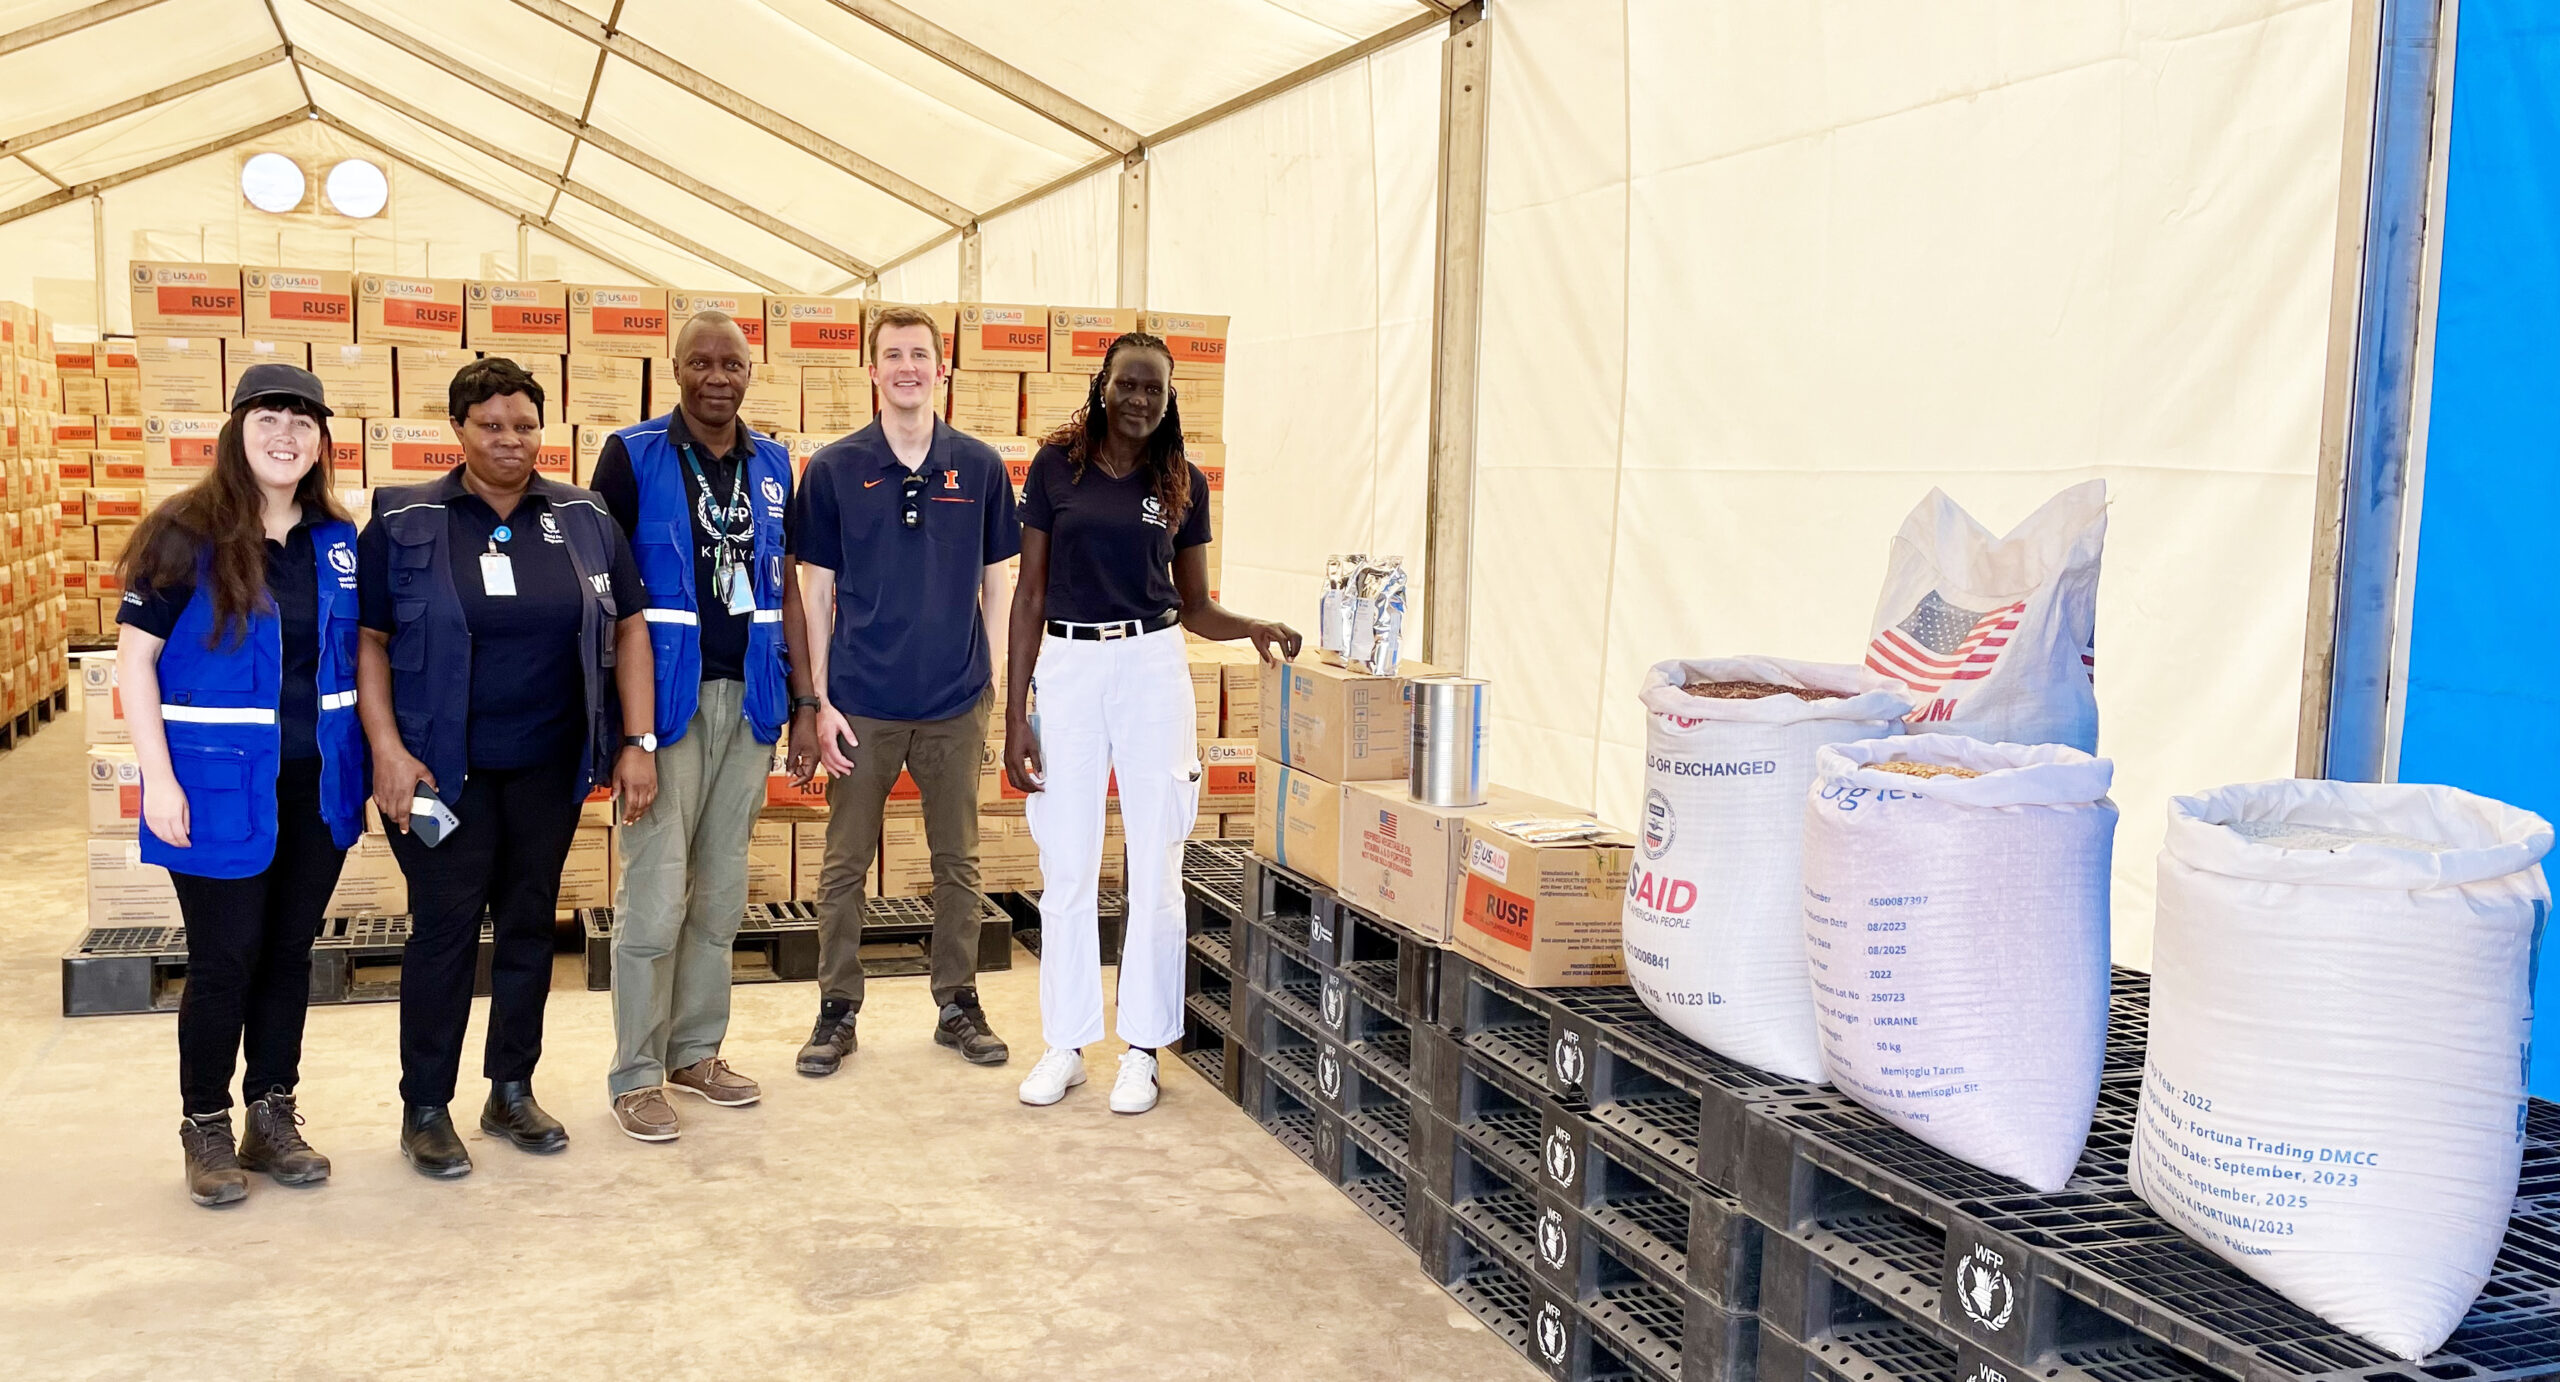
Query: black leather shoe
point(512, 1114)
point(427, 1138)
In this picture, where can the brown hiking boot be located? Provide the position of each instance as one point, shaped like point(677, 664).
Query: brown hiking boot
point(644, 1114)
point(213, 1167)
point(273, 1143)
point(712, 1078)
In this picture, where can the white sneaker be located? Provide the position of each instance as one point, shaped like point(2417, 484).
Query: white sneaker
point(1134, 1091)
point(1049, 1081)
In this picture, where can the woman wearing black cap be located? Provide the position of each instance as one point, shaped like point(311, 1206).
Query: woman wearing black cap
point(237, 667)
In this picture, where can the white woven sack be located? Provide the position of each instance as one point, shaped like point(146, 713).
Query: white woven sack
point(1713, 928)
point(1956, 933)
point(1996, 636)
point(2341, 1006)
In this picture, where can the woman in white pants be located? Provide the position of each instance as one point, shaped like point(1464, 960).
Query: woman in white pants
point(1114, 518)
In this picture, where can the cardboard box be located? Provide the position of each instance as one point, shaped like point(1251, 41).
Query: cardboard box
point(370, 883)
point(82, 620)
point(558, 458)
point(401, 451)
point(409, 311)
point(986, 404)
point(1297, 821)
point(629, 322)
point(587, 448)
point(116, 359)
point(240, 352)
point(1227, 777)
point(185, 299)
point(1003, 336)
point(772, 403)
point(118, 432)
point(1202, 398)
point(660, 392)
point(74, 357)
point(746, 309)
point(1016, 453)
point(105, 582)
point(425, 375)
point(115, 790)
point(111, 539)
point(586, 880)
point(813, 331)
point(123, 890)
point(82, 393)
point(1543, 915)
point(834, 401)
point(1080, 336)
point(906, 860)
point(769, 862)
point(549, 371)
point(358, 380)
point(1240, 698)
point(808, 858)
point(1199, 343)
point(1339, 723)
point(177, 448)
point(946, 316)
point(1204, 692)
point(314, 306)
point(124, 393)
point(1402, 859)
point(73, 433)
point(1050, 401)
point(601, 391)
point(101, 705)
point(508, 318)
point(1236, 825)
point(182, 374)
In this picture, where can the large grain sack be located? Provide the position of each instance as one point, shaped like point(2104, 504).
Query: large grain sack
point(1714, 929)
point(1955, 928)
point(1996, 636)
point(2341, 1006)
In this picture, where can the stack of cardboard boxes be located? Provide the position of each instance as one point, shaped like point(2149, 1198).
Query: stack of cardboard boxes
point(34, 612)
point(1332, 805)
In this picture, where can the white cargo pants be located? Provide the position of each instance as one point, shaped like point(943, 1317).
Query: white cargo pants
point(1119, 705)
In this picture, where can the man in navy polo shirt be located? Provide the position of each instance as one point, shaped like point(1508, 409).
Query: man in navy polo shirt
point(902, 531)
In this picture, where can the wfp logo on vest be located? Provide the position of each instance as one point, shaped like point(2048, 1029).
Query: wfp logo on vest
point(602, 581)
point(551, 533)
point(1152, 510)
point(773, 494)
point(342, 559)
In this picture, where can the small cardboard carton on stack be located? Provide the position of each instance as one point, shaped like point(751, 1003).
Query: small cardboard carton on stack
point(1321, 727)
point(1540, 898)
point(516, 319)
point(629, 322)
point(1402, 859)
point(746, 309)
point(769, 862)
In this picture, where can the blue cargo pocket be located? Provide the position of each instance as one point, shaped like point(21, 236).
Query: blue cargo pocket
point(216, 781)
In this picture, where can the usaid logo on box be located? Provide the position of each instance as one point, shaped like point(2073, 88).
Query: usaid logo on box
point(1491, 862)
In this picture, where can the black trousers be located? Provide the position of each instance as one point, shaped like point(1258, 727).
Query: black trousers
point(505, 856)
point(249, 954)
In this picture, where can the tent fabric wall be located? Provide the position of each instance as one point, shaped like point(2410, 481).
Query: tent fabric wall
point(1813, 264)
point(1309, 219)
point(2484, 641)
point(1062, 250)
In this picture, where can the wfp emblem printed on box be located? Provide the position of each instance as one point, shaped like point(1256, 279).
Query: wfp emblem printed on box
point(379, 432)
point(578, 298)
point(479, 293)
point(153, 426)
point(141, 275)
point(1659, 826)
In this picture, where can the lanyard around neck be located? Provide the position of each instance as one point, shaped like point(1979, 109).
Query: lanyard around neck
point(728, 507)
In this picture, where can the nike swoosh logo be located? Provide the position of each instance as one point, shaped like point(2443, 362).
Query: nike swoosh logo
point(869, 483)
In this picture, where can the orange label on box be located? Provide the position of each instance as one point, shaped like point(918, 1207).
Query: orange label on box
point(129, 429)
point(1015, 337)
point(1497, 911)
point(116, 508)
point(309, 307)
point(826, 335)
point(780, 790)
point(1092, 345)
point(1018, 472)
point(529, 321)
point(129, 800)
point(190, 451)
point(626, 321)
point(1228, 779)
point(119, 468)
point(1198, 350)
point(197, 301)
point(426, 316)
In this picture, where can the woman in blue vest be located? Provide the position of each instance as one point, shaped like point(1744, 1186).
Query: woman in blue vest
point(503, 652)
point(237, 665)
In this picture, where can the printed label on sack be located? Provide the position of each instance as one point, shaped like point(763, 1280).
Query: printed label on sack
point(1497, 912)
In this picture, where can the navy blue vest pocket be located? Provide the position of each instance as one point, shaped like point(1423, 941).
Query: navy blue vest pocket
point(409, 636)
point(216, 779)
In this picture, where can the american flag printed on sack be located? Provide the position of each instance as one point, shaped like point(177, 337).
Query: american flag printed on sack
point(1942, 642)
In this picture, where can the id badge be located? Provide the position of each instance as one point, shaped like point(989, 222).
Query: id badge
point(497, 574)
point(742, 594)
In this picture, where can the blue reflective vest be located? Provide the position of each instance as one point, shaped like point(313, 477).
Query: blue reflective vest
point(662, 547)
point(430, 650)
point(218, 706)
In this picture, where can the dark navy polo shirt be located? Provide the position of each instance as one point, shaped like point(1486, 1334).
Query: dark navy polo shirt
point(910, 640)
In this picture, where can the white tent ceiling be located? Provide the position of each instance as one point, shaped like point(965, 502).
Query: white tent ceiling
point(795, 145)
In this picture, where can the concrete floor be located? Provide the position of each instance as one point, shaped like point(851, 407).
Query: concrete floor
point(906, 1218)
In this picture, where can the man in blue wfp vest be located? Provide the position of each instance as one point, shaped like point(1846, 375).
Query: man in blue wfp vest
point(702, 498)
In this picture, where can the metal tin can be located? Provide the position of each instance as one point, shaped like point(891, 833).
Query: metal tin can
point(1447, 765)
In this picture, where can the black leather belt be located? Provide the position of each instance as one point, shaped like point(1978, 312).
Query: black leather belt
point(1125, 628)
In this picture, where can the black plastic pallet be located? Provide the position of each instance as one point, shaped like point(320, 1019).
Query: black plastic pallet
point(1213, 876)
point(1211, 993)
point(1291, 902)
point(1686, 1228)
point(1111, 919)
point(1291, 981)
point(1873, 1351)
point(1213, 1053)
point(1395, 968)
point(113, 970)
point(1212, 940)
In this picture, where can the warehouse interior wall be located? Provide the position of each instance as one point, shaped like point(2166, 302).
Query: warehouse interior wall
point(2484, 642)
point(1758, 278)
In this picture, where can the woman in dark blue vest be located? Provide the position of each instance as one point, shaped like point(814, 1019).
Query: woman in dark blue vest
point(503, 652)
point(237, 663)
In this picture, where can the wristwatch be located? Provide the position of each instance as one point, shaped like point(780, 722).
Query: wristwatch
point(646, 743)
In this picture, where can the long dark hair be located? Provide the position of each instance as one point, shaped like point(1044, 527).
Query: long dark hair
point(215, 529)
point(1166, 464)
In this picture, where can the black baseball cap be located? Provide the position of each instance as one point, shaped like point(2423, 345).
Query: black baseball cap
point(291, 381)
